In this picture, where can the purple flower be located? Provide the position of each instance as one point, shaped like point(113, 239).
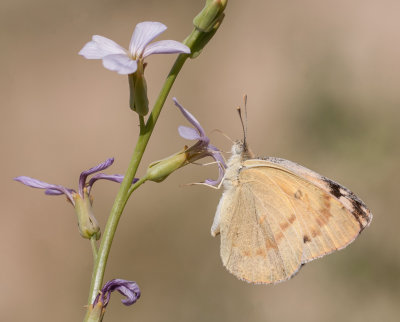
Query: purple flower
point(128, 289)
point(52, 189)
point(202, 148)
point(81, 200)
point(117, 58)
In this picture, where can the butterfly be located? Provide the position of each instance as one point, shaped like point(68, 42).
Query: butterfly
point(275, 215)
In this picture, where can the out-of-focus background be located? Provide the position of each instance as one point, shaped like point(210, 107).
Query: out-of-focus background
point(322, 79)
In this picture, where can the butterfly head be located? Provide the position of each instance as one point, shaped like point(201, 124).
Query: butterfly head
point(237, 147)
point(241, 148)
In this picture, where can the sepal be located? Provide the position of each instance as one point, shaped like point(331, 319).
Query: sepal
point(160, 170)
point(87, 223)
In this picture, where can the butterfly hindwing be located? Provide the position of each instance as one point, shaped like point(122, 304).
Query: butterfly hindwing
point(260, 235)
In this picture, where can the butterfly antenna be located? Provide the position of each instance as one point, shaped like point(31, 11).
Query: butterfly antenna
point(239, 110)
point(223, 134)
point(243, 120)
point(245, 112)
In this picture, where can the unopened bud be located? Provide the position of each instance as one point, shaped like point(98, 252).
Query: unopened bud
point(210, 14)
point(87, 223)
point(207, 23)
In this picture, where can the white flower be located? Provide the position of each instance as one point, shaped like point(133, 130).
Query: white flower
point(117, 58)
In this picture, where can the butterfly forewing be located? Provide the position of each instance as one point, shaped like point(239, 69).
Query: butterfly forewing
point(331, 216)
point(347, 198)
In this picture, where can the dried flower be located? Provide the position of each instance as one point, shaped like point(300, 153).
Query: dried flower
point(81, 200)
point(129, 289)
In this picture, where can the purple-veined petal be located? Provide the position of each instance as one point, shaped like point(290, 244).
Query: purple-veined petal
point(130, 293)
point(216, 155)
point(54, 189)
point(221, 173)
point(202, 148)
point(188, 133)
point(53, 192)
point(165, 47)
point(121, 63)
point(192, 120)
point(127, 288)
point(143, 34)
point(100, 47)
point(34, 183)
point(97, 168)
point(111, 177)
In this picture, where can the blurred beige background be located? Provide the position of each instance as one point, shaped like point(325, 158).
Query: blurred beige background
point(322, 79)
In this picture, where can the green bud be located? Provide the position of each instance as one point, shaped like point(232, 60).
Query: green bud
point(210, 14)
point(87, 223)
point(138, 100)
point(204, 38)
point(206, 25)
point(159, 170)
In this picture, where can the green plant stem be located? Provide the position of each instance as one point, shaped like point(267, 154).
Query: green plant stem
point(126, 187)
point(94, 247)
point(106, 241)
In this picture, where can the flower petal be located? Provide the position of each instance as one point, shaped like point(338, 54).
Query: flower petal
point(51, 189)
point(53, 192)
point(100, 47)
point(111, 177)
point(127, 288)
point(188, 133)
point(166, 47)
point(216, 155)
point(122, 64)
point(131, 296)
point(192, 120)
point(97, 168)
point(143, 34)
point(34, 183)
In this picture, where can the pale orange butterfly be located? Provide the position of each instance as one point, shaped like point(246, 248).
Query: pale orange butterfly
point(275, 215)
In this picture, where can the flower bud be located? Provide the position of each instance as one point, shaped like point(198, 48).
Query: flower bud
point(87, 223)
point(207, 23)
point(210, 14)
point(159, 170)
